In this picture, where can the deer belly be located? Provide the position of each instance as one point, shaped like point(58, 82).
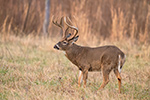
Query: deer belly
point(95, 68)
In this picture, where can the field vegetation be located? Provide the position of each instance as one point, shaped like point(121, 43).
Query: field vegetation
point(30, 69)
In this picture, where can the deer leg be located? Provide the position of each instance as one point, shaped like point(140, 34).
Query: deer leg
point(85, 75)
point(105, 78)
point(80, 78)
point(119, 79)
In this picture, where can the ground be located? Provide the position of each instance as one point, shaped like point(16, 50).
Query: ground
point(31, 69)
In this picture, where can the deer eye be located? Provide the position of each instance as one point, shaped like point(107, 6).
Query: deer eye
point(64, 43)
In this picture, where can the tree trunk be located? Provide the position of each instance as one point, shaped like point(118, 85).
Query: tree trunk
point(46, 20)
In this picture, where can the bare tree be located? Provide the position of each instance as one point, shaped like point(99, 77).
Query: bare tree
point(46, 20)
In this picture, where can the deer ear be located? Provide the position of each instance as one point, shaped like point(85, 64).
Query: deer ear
point(75, 38)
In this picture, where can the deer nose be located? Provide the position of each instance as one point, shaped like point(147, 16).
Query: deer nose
point(56, 47)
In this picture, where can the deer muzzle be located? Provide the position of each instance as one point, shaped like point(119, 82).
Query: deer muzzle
point(56, 47)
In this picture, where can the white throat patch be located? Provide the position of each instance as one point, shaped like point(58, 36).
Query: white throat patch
point(64, 52)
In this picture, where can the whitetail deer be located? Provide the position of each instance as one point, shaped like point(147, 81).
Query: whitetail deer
point(104, 58)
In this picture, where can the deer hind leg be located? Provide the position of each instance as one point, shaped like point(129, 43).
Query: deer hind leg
point(85, 76)
point(119, 79)
point(105, 79)
point(80, 78)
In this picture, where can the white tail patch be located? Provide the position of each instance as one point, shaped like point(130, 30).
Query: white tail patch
point(124, 58)
point(119, 65)
point(80, 73)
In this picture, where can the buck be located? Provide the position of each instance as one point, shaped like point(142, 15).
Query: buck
point(103, 58)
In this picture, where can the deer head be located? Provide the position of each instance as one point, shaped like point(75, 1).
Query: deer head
point(68, 38)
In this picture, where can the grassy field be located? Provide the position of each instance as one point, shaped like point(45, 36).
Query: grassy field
point(30, 69)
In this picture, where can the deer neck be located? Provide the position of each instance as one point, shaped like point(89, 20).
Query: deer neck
point(73, 52)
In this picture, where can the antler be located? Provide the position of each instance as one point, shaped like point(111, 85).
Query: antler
point(56, 23)
point(73, 27)
point(59, 25)
point(70, 36)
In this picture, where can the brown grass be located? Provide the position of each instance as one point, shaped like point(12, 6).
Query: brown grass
point(31, 69)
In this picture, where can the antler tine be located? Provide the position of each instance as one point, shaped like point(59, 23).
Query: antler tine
point(59, 25)
point(73, 27)
point(56, 23)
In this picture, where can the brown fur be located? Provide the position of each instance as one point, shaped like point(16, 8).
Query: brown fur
point(104, 58)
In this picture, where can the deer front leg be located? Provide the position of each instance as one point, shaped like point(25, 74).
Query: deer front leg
point(80, 78)
point(85, 75)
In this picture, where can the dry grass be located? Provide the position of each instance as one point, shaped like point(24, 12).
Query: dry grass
point(31, 69)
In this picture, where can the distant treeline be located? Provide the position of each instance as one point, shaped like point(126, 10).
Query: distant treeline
point(105, 18)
